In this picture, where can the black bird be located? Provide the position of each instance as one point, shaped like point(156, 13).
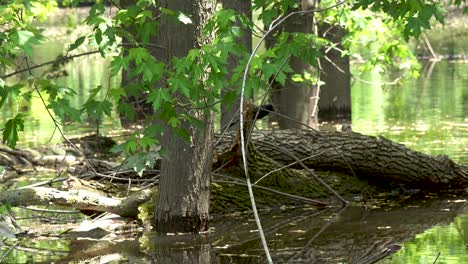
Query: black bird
point(259, 111)
point(262, 110)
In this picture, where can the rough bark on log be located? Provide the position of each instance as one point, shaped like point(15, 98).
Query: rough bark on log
point(376, 158)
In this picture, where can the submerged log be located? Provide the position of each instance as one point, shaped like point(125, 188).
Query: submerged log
point(376, 159)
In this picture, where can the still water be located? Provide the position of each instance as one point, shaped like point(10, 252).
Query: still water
point(428, 114)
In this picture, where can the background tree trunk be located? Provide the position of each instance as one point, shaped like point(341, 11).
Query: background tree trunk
point(183, 201)
point(335, 94)
point(242, 7)
point(296, 100)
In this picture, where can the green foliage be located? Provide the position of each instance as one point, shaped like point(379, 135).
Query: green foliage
point(4, 208)
point(414, 15)
point(179, 88)
point(11, 129)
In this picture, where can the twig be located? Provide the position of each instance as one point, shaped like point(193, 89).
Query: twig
point(435, 260)
point(324, 227)
point(429, 46)
point(62, 59)
point(56, 123)
point(286, 166)
point(8, 251)
point(48, 211)
point(311, 172)
point(67, 58)
point(273, 26)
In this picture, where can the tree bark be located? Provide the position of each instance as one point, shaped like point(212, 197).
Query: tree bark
point(335, 94)
point(298, 101)
point(374, 158)
point(184, 195)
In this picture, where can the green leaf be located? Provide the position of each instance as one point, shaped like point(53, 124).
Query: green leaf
point(98, 36)
point(95, 109)
point(26, 39)
point(142, 160)
point(9, 91)
point(118, 63)
point(154, 130)
point(157, 96)
point(147, 142)
point(173, 121)
point(131, 146)
point(11, 129)
point(62, 109)
point(297, 78)
point(77, 43)
point(117, 93)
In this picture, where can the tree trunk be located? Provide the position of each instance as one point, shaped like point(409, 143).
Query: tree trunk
point(335, 94)
point(297, 100)
point(242, 7)
point(184, 195)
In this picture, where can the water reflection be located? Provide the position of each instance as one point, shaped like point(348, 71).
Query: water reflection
point(428, 114)
point(295, 235)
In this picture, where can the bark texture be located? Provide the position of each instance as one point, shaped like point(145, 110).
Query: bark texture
point(335, 94)
point(374, 158)
point(298, 101)
point(183, 201)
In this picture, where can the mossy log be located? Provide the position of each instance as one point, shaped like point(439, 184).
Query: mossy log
point(375, 158)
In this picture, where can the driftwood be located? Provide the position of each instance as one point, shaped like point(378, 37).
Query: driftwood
point(79, 199)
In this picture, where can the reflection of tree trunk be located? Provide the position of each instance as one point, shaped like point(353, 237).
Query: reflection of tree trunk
point(296, 100)
point(186, 168)
point(242, 7)
point(335, 95)
point(182, 254)
point(294, 235)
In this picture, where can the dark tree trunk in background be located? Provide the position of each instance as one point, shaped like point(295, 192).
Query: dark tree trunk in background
point(135, 99)
point(335, 95)
point(184, 195)
point(242, 7)
point(296, 100)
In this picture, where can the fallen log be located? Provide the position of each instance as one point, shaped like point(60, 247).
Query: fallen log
point(79, 199)
point(367, 161)
point(376, 159)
